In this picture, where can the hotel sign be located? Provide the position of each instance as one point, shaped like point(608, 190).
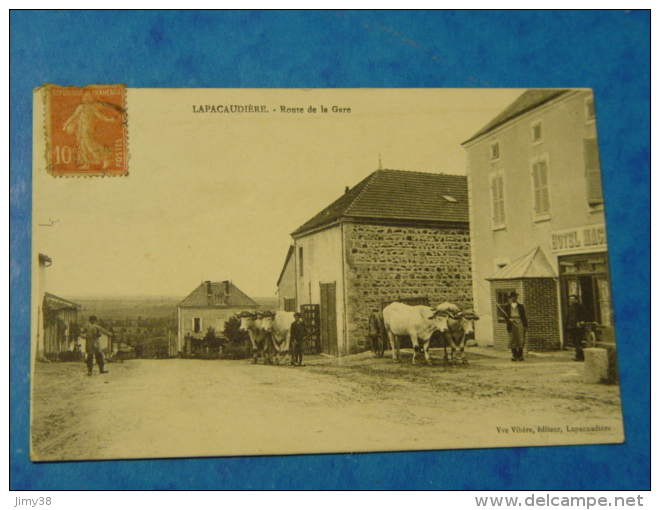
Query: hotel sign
point(580, 239)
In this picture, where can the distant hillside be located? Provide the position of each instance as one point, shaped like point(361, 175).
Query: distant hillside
point(266, 303)
point(153, 307)
point(129, 307)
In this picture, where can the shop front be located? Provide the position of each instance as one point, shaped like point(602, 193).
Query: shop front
point(583, 272)
point(586, 276)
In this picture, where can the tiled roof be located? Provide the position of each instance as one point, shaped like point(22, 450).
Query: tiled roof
point(57, 303)
point(526, 102)
point(202, 296)
point(531, 265)
point(399, 195)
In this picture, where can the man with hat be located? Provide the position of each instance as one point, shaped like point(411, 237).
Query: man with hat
point(92, 334)
point(298, 334)
point(516, 326)
point(576, 313)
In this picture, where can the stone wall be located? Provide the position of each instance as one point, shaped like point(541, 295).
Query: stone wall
point(385, 263)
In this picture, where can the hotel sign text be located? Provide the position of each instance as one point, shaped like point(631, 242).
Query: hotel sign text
point(589, 237)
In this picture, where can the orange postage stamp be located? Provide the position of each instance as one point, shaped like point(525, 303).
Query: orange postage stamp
point(86, 130)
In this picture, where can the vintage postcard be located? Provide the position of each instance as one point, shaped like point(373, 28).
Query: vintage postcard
point(278, 272)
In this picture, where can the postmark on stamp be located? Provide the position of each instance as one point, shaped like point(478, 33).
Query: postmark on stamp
point(86, 130)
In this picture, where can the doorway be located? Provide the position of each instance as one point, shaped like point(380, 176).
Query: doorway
point(587, 277)
point(329, 318)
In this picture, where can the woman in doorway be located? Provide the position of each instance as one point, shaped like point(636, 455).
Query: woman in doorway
point(516, 326)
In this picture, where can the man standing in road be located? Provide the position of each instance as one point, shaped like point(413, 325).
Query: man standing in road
point(576, 314)
point(92, 334)
point(297, 335)
point(516, 326)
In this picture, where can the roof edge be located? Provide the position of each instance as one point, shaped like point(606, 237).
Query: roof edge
point(492, 128)
point(289, 254)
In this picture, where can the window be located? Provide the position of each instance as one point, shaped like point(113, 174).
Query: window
point(300, 261)
point(541, 189)
point(197, 324)
point(495, 151)
point(592, 173)
point(289, 304)
point(590, 112)
point(497, 198)
point(218, 299)
point(501, 299)
point(537, 132)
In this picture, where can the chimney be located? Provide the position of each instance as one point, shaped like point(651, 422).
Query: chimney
point(348, 188)
point(209, 293)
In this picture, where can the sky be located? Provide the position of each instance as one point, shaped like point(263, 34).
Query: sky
point(215, 196)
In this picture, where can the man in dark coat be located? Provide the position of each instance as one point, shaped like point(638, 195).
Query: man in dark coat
point(576, 313)
point(298, 334)
point(516, 326)
point(92, 334)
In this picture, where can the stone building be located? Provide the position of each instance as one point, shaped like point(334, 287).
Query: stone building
point(536, 215)
point(209, 305)
point(396, 234)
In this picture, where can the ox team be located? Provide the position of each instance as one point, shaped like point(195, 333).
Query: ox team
point(276, 335)
point(421, 322)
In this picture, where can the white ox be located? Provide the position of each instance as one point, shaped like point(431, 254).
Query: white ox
point(251, 322)
point(278, 324)
point(419, 322)
point(460, 328)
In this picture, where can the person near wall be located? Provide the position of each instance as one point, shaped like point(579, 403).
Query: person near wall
point(576, 314)
point(92, 335)
point(516, 326)
point(298, 334)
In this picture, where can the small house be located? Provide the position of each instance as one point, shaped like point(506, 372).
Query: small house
point(209, 306)
point(60, 319)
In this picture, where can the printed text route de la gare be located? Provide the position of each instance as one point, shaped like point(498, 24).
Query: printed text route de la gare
point(252, 108)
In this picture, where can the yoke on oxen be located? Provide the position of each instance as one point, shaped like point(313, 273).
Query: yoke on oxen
point(278, 326)
point(419, 322)
point(460, 329)
point(260, 339)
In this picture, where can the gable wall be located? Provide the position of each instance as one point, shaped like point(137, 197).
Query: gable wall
point(384, 263)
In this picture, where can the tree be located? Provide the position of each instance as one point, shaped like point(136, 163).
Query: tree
point(210, 340)
point(233, 333)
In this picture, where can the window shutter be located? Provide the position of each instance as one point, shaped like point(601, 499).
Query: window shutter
point(497, 193)
point(537, 190)
point(545, 195)
point(592, 171)
point(494, 193)
point(545, 200)
point(541, 192)
point(500, 181)
point(591, 113)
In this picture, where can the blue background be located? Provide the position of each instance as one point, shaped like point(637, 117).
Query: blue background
point(608, 51)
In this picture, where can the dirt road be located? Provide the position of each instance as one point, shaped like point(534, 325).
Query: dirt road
point(172, 408)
